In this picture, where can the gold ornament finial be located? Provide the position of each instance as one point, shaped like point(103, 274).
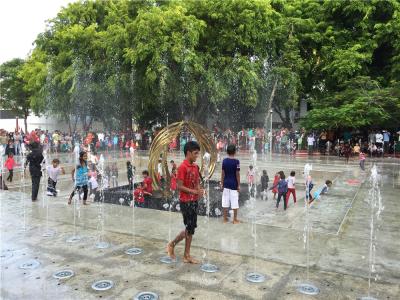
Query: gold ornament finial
point(160, 144)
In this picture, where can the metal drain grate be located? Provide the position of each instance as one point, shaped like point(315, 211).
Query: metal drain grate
point(63, 274)
point(255, 277)
point(146, 296)
point(308, 289)
point(102, 285)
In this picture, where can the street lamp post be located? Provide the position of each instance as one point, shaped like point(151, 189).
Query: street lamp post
point(167, 119)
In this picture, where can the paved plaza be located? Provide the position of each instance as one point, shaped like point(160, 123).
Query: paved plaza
point(338, 249)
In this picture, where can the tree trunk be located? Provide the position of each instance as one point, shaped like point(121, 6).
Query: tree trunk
point(26, 114)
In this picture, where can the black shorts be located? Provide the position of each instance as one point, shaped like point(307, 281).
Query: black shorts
point(189, 213)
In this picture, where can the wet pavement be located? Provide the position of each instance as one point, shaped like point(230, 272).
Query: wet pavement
point(338, 255)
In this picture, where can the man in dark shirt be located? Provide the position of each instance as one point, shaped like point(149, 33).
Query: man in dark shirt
point(230, 182)
point(35, 159)
point(188, 183)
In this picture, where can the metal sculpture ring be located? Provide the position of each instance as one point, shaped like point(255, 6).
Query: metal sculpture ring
point(161, 142)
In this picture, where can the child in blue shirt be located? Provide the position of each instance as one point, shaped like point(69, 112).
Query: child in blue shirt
point(80, 178)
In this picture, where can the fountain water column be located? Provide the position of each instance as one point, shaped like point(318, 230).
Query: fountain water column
point(376, 208)
point(254, 277)
point(133, 250)
point(101, 244)
point(307, 288)
point(2, 165)
point(48, 232)
point(75, 238)
point(207, 266)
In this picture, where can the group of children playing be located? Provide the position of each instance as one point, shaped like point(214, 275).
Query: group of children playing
point(283, 187)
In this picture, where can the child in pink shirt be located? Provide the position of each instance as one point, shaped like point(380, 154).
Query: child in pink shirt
point(10, 164)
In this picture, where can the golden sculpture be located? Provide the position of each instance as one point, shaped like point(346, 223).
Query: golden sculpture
point(161, 142)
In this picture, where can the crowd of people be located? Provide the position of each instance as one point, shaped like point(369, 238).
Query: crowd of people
point(283, 140)
point(325, 142)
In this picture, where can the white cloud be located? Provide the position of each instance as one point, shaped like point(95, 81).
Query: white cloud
point(20, 23)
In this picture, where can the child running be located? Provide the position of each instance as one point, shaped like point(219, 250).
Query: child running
point(80, 177)
point(188, 182)
point(230, 181)
point(53, 171)
point(291, 187)
point(282, 186)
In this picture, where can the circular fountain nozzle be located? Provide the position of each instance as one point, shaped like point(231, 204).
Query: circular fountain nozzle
point(255, 277)
point(30, 264)
point(49, 233)
point(308, 289)
point(168, 260)
point(209, 268)
point(134, 251)
point(102, 285)
point(146, 296)
point(74, 239)
point(63, 274)
point(102, 245)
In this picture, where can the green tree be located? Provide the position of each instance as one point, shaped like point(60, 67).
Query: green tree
point(14, 95)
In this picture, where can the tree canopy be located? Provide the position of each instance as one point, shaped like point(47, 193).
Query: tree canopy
point(215, 59)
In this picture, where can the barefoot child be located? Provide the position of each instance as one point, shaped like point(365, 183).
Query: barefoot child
point(230, 181)
point(188, 181)
point(53, 171)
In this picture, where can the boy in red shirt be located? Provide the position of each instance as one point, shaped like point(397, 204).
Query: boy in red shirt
point(188, 184)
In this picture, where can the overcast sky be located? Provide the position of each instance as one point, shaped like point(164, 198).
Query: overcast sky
point(20, 23)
